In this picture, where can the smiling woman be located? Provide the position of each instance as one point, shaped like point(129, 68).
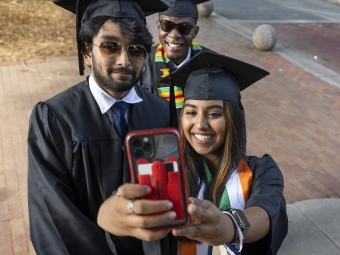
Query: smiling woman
point(228, 188)
point(34, 30)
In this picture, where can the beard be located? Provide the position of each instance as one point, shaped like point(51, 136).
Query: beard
point(107, 82)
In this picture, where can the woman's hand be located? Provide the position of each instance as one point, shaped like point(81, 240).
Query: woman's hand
point(114, 216)
point(208, 224)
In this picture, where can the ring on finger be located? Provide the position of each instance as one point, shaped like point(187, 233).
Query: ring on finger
point(130, 206)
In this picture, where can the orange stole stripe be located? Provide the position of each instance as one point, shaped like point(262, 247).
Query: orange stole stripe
point(246, 178)
point(188, 248)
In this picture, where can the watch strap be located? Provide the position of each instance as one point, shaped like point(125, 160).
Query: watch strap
point(240, 218)
point(240, 234)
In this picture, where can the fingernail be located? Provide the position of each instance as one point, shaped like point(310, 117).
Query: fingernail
point(169, 205)
point(179, 231)
point(171, 215)
point(193, 208)
point(147, 189)
point(118, 192)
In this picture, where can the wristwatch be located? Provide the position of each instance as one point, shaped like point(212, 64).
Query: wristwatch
point(240, 219)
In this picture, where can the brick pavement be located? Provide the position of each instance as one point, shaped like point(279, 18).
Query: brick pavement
point(325, 46)
point(291, 114)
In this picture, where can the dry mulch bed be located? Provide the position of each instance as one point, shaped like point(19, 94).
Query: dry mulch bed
point(32, 30)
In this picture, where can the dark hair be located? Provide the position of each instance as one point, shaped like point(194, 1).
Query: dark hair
point(133, 29)
point(230, 156)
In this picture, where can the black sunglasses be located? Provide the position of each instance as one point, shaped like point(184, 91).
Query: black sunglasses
point(136, 53)
point(183, 28)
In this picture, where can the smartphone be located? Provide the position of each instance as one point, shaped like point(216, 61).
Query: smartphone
point(156, 159)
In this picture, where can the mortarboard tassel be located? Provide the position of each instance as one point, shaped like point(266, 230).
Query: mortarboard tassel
point(78, 24)
point(172, 102)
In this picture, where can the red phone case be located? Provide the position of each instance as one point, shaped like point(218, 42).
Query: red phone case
point(165, 174)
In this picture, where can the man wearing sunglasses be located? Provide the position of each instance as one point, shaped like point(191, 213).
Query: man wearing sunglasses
point(177, 29)
point(79, 181)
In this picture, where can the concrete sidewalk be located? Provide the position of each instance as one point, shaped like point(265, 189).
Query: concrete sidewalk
point(314, 228)
point(293, 114)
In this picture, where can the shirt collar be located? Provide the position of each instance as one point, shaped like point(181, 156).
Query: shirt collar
point(105, 101)
point(185, 60)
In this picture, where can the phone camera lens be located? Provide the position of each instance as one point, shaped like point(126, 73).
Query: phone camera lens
point(147, 146)
point(138, 153)
point(137, 142)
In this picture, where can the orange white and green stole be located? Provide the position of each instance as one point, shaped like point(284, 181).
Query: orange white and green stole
point(165, 67)
point(237, 192)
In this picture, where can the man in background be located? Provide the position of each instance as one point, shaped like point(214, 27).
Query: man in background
point(177, 29)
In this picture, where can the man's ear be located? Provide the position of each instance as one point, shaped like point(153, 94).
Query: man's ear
point(158, 24)
point(197, 28)
point(87, 55)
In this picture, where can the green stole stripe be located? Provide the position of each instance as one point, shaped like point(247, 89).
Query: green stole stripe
point(167, 89)
point(224, 202)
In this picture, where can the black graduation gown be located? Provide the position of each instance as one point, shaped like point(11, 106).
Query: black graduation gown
point(75, 162)
point(267, 192)
point(152, 75)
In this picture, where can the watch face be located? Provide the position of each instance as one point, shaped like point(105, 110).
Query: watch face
point(240, 218)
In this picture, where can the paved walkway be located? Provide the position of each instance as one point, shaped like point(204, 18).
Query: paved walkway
point(293, 114)
point(321, 51)
point(314, 228)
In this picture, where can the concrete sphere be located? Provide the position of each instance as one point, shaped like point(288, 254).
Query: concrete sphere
point(264, 37)
point(205, 9)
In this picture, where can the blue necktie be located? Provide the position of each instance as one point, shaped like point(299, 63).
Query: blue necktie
point(119, 108)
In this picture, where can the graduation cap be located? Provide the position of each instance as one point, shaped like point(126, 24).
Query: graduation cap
point(87, 9)
point(212, 76)
point(182, 8)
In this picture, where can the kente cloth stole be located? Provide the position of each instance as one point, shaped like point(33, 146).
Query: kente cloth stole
point(165, 67)
point(237, 192)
